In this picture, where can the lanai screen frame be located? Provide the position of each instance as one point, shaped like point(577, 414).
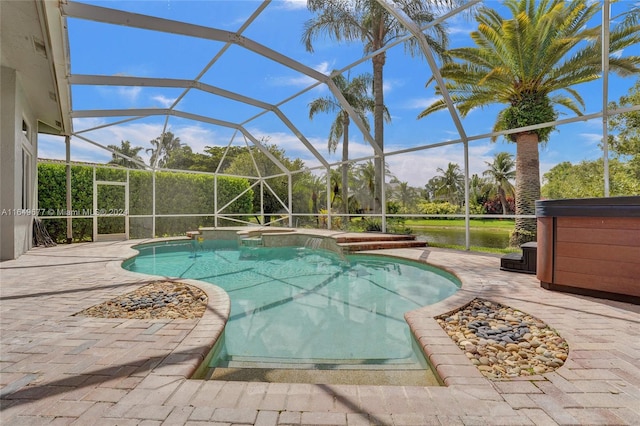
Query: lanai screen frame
point(117, 17)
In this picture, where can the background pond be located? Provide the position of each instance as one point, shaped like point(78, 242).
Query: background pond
point(479, 237)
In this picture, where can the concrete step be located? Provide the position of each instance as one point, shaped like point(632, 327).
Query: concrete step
point(380, 245)
point(357, 238)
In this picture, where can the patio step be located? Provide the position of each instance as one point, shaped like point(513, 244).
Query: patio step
point(517, 262)
point(366, 237)
point(354, 243)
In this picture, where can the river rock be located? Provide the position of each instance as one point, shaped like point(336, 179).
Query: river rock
point(503, 342)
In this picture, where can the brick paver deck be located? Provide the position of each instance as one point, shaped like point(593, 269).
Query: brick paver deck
point(63, 369)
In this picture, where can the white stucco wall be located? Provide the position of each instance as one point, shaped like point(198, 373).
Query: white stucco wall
point(15, 220)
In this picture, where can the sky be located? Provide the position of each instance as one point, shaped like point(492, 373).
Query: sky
point(103, 49)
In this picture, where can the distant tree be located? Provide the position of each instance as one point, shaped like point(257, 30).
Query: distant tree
point(584, 180)
point(162, 147)
point(479, 190)
point(125, 148)
point(182, 158)
point(217, 158)
point(308, 199)
point(429, 191)
point(500, 173)
point(404, 194)
point(275, 188)
point(449, 184)
point(365, 177)
point(624, 129)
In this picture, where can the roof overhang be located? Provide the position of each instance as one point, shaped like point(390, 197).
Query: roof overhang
point(34, 43)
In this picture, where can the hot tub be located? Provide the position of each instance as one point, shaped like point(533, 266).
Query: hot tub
point(590, 246)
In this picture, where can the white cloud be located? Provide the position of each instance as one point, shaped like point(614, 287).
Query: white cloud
point(164, 101)
point(129, 93)
point(197, 137)
point(418, 167)
point(419, 103)
point(389, 84)
point(302, 80)
point(594, 123)
point(124, 94)
point(590, 138)
point(51, 147)
point(137, 133)
point(292, 4)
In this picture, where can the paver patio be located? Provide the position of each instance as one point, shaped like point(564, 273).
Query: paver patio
point(63, 369)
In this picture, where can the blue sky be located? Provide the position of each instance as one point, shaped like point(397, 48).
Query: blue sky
point(97, 48)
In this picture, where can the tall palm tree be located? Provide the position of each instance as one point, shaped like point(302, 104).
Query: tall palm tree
point(125, 148)
point(368, 22)
point(356, 92)
point(450, 184)
point(500, 172)
point(163, 146)
point(522, 62)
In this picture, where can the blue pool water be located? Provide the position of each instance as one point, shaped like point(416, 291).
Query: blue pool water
point(300, 305)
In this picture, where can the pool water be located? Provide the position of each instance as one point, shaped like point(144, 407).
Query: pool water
point(296, 305)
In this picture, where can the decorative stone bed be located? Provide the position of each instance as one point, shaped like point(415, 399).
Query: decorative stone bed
point(504, 342)
point(160, 299)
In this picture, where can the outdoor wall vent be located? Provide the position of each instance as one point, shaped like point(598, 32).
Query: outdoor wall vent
point(40, 47)
point(53, 97)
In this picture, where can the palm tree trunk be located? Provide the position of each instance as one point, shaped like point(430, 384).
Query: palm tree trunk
point(503, 200)
point(345, 166)
point(378, 126)
point(527, 187)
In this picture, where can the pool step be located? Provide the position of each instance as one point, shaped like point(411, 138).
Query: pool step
point(241, 362)
point(372, 241)
point(251, 242)
point(384, 377)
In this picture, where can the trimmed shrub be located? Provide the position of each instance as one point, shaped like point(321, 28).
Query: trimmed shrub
point(176, 193)
point(429, 208)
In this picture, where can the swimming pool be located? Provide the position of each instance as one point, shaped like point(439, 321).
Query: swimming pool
point(296, 305)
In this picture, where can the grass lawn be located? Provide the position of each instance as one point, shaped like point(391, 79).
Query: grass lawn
point(479, 249)
point(501, 224)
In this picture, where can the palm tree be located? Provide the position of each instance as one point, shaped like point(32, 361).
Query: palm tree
point(405, 194)
point(478, 190)
point(368, 22)
point(365, 177)
point(450, 184)
point(500, 172)
point(125, 148)
point(163, 146)
point(356, 92)
point(522, 62)
point(631, 17)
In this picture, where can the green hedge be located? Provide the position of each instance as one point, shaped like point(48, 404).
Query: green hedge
point(176, 193)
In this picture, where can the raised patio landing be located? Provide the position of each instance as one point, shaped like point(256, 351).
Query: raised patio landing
point(375, 241)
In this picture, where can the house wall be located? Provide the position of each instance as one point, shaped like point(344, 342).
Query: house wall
point(18, 167)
